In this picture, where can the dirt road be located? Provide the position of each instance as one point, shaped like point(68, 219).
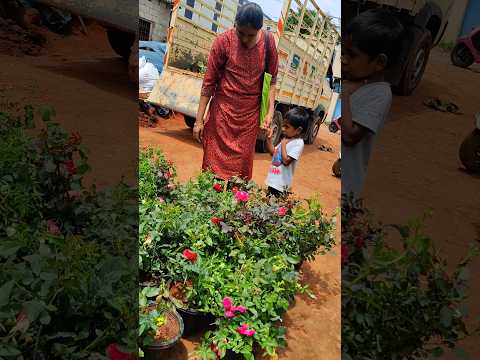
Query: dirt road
point(313, 325)
point(88, 85)
point(415, 167)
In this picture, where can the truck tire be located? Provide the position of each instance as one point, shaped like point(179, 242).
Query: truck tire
point(189, 121)
point(470, 152)
point(312, 131)
point(261, 143)
point(461, 56)
point(121, 42)
point(417, 61)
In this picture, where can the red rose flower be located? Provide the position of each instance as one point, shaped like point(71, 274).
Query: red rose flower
point(114, 353)
point(344, 252)
point(217, 187)
point(359, 243)
point(167, 175)
point(70, 166)
point(216, 220)
point(190, 255)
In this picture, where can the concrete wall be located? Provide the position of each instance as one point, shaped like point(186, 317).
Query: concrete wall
point(455, 21)
point(158, 13)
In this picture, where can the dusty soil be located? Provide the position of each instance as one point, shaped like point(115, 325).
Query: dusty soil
point(313, 325)
point(415, 167)
point(88, 85)
point(168, 331)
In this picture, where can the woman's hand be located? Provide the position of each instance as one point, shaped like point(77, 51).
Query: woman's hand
point(268, 121)
point(198, 131)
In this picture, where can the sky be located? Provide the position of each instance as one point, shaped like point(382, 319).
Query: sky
point(273, 7)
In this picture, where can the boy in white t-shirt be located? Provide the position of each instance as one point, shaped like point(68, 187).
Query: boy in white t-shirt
point(287, 152)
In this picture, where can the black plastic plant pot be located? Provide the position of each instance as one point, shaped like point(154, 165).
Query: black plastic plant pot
point(230, 355)
point(166, 344)
point(195, 321)
point(298, 266)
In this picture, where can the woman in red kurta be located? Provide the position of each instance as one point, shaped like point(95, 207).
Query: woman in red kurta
point(233, 85)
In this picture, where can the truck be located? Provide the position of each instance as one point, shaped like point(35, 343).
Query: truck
point(425, 22)
point(305, 37)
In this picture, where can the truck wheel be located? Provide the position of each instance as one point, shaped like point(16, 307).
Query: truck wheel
point(261, 144)
point(470, 152)
point(337, 169)
point(189, 121)
point(418, 58)
point(121, 42)
point(333, 127)
point(314, 127)
point(461, 56)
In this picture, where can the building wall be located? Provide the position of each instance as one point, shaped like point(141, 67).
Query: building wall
point(158, 13)
point(455, 21)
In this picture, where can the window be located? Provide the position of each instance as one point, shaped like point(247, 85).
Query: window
point(188, 14)
point(214, 27)
point(218, 6)
point(191, 3)
point(144, 29)
point(215, 17)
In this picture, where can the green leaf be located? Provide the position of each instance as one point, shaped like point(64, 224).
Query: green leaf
point(151, 291)
point(438, 352)
point(33, 309)
point(446, 316)
point(464, 274)
point(45, 318)
point(5, 291)
point(47, 112)
point(8, 350)
point(461, 353)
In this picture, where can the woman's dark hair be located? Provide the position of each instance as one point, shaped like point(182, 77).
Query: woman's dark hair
point(298, 117)
point(251, 15)
point(375, 32)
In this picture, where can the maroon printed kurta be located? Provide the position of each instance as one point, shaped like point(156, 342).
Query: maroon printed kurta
point(234, 78)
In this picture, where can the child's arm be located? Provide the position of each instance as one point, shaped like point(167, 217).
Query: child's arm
point(286, 160)
point(270, 147)
point(352, 133)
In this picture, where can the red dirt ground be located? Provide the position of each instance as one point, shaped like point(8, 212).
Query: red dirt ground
point(415, 167)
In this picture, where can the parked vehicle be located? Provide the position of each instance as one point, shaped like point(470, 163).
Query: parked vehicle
point(470, 148)
point(305, 37)
point(467, 50)
point(425, 23)
point(116, 16)
point(153, 52)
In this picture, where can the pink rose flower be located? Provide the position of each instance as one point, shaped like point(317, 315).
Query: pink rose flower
point(241, 309)
point(241, 196)
point(74, 194)
point(227, 303)
point(282, 211)
point(161, 200)
point(53, 227)
point(229, 314)
point(244, 330)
